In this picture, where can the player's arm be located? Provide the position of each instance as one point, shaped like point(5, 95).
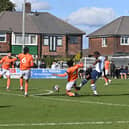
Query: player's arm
point(13, 59)
point(2, 60)
point(31, 62)
point(97, 60)
point(60, 75)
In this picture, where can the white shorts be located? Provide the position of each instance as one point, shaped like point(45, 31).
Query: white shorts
point(69, 85)
point(25, 74)
point(5, 72)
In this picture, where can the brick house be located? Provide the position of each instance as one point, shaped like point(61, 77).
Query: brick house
point(45, 34)
point(112, 38)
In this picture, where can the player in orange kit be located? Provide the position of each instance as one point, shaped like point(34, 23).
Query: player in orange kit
point(26, 62)
point(106, 71)
point(6, 62)
point(72, 73)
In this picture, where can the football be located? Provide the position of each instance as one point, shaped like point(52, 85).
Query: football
point(56, 88)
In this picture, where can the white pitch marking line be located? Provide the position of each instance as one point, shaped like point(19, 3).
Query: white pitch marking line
point(83, 102)
point(69, 100)
point(65, 123)
point(48, 93)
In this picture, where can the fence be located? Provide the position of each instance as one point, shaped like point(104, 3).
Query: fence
point(39, 73)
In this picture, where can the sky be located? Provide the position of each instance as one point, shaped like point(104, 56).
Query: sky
point(87, 15)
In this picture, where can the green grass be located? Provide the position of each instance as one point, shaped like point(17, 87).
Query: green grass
point(111, 106)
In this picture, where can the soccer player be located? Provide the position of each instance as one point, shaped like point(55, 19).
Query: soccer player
point(72, 73)
point(95, 73)
point(106, 71)
point(7, 62)
point(26, 62)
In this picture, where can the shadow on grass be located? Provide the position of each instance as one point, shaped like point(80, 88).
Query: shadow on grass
point(6, 106)
point(84, 95)
point(54, 94)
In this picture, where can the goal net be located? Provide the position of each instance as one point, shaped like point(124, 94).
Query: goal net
point(88, 62)
point(121, 60)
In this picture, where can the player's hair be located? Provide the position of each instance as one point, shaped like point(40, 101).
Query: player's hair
point(26, 50)
point(96, 53)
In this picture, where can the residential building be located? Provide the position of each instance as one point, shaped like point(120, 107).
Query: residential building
point(111, 39)
point(45, 34)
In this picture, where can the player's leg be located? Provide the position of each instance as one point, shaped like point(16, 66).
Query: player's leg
point(21, 80)
point(21, 83)
point(69, 86)
point(8, 82)
point(7, 73)
point(27, 75)
point(84, 81)
point(107, 80)
point(26, 87)
point(94, 76)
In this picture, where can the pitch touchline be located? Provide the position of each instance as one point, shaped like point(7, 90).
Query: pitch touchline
point(65, 123)
point(67, 100)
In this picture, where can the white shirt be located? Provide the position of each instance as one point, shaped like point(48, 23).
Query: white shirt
point(100, 65)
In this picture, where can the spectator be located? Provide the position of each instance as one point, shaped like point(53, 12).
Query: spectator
point(112, 69)
point(43, 65)
point(124, 72)
point(54, 65)
point(117, 72)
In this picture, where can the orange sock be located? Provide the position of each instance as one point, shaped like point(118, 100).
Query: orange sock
point(26, 86)
point(21, 82)
point(8, 82)
point(106, 79)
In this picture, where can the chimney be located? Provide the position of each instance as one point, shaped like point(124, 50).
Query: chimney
point(28, 7)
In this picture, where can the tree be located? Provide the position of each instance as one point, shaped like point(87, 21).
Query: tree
point(6, 5)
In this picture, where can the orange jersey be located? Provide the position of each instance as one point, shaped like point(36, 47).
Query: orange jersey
point(107, 63)
point(73, 72)
point(26, 61)
point(7, 62)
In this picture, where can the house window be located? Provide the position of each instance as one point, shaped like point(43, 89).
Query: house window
point(33, 39)
point(18, 39)
point(29, 39)
point(59, 40)
point(124, 40)
point(46, 40)
point(104, 42)
point(2, 37)
point(73, 39)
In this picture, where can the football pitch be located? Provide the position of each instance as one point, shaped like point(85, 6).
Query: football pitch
point(45, 109)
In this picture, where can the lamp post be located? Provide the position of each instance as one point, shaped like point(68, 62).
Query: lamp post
point(23, 26)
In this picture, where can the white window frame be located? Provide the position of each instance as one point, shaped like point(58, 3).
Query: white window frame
point(104, 42)
point(45, 40)
point(29, 38)
point(123, 40)
point(59, 40)
point(4, 35)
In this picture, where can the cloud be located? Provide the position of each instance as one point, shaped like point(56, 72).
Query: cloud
point(36, 5)
point(91, 16)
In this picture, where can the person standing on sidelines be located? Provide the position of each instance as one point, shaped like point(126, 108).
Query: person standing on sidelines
point(72, 73)
point(7, 62)
point(26, 62)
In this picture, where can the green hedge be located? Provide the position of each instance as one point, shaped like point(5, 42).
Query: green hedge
point(16, 49)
